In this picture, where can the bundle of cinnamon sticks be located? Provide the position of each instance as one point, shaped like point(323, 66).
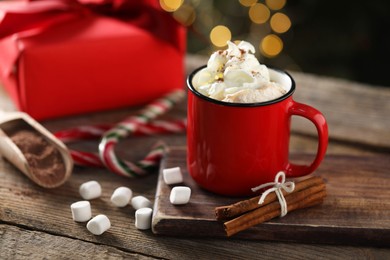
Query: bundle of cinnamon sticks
point(247, 213)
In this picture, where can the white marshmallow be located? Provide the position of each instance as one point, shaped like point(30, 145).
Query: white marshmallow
point(90, 190)
point(121, 196)
point(99, 224)
point(235, 69)
point(143, 218)
point(172, 176)
point(81, 211)
point(140, 202)
point(180, 195)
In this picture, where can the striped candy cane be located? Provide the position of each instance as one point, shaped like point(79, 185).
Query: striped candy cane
point(91, 132)
point(86, 159)
point(130, 125)
point(82, 133)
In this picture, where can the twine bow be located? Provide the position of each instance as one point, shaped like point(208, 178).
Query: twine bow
point(279, 184)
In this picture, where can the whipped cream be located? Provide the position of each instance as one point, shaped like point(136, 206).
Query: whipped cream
point(235, 75)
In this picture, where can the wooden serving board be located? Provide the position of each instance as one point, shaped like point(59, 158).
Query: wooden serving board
point(355, 212)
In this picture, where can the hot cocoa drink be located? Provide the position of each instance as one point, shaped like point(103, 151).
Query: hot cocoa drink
point(238, 123)
point(235, 75)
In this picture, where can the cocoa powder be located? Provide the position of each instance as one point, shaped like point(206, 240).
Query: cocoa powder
point(44, 159)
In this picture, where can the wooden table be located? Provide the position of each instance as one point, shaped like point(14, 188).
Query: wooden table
point(37, 223)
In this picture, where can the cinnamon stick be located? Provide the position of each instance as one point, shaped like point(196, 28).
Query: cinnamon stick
point(230, 211)
point(306, 198)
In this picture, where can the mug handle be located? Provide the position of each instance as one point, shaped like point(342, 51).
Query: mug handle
point(318, 119)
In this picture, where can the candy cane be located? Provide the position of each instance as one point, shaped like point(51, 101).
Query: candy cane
point(86, 159)
point(82, 133)
point(130, 125)
point(89, 132)
point(140, 127)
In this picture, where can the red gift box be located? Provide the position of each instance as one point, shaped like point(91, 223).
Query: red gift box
point(61, 57)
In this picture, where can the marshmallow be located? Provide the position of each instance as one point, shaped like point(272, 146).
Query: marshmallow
point(99, 224)
point(172, 175)
point(233, 70)
point(143, 218)
point(121, 196)
point(90, 190)
point(140, 202)
point(180, 195)
point(81, 211)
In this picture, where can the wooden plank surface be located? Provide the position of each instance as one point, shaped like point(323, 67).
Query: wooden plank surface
point(356, 211)
point(29, 244)
point(37, 223)
point(19, 243)
point(355, 113)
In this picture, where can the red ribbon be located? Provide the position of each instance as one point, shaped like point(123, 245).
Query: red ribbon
point(25, 18)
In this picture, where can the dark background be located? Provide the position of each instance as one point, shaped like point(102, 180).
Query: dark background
point(346, 39)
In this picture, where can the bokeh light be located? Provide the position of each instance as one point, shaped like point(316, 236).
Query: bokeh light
point(266, 22)
point(185, 15)
point(280, 23)
point(259, 13)
point(271, 45)
point(171, 5)
point(219, 35)
point(248, 3)
point(275, 4)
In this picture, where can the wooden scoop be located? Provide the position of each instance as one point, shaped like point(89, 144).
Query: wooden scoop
point(10, 122)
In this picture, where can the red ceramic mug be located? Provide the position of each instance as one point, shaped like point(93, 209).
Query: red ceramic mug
point(233, 147)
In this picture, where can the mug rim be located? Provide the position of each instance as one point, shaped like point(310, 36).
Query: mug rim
point(232, 104)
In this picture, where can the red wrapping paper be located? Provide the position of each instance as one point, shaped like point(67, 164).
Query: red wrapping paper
point(77, 58)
